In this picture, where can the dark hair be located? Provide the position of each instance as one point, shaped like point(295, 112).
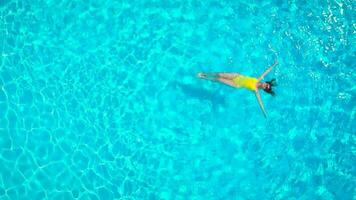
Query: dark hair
point(271, 83)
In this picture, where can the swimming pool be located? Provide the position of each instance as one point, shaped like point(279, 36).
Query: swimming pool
point(99, 100)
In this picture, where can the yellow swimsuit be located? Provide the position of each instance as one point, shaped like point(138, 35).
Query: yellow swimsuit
point(249, 83)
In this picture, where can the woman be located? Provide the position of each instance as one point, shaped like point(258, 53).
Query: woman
point(239, 81)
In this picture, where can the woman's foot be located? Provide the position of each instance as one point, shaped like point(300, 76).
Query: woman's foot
point(210, 76)
point(201, 75)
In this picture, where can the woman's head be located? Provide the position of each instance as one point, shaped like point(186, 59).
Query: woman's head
point(267, 86)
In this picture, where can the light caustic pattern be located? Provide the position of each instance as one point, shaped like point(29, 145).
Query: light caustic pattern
point(99, 100)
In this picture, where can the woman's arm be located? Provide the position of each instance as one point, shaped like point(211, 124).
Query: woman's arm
point(267, 71)
point(260, 103)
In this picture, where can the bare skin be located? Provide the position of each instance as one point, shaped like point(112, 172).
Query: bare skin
point(227, 79)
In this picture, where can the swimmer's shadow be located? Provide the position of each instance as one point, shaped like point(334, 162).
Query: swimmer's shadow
point(202, 94)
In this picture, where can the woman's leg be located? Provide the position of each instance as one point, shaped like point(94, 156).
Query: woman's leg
point(228, 76)
point(224, 78)
point(227, 82)
point(215, 76)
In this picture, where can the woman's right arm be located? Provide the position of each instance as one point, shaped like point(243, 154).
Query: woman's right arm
point(258, 96)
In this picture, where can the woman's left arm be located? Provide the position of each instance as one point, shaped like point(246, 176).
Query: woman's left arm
point(267, 71)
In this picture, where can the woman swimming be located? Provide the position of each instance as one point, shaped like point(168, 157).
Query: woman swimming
point(239, 81)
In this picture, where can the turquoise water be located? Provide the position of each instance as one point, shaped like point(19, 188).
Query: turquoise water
point(99, 100)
